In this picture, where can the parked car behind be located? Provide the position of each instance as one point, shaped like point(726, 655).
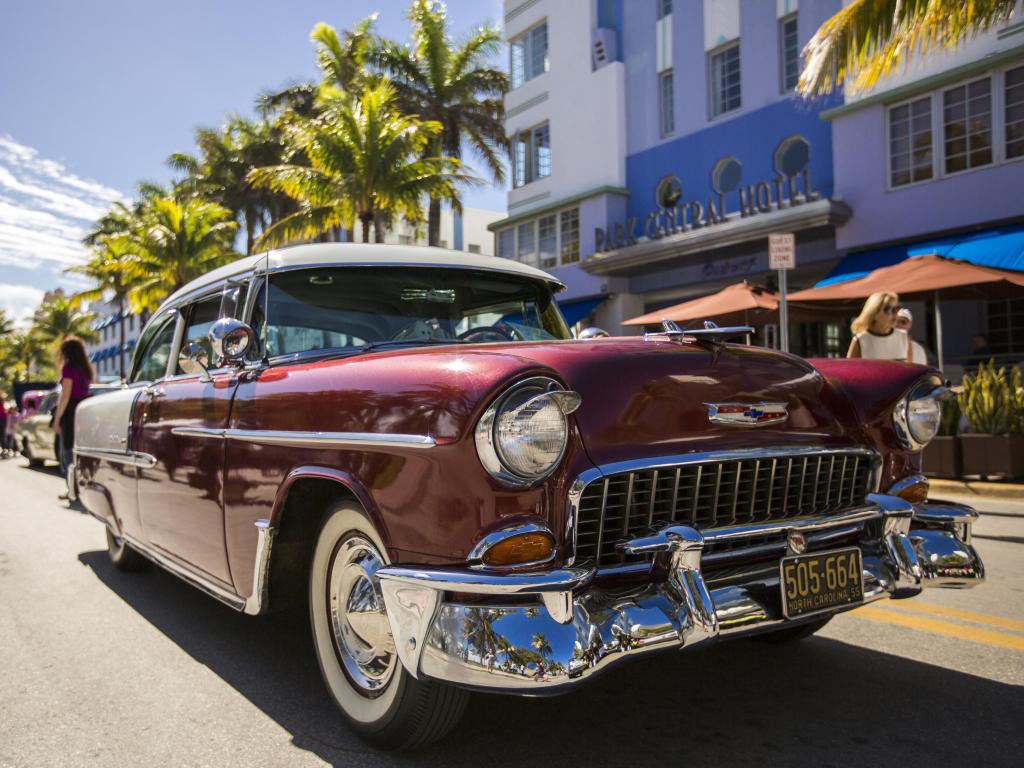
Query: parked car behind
point(36, 439)
point(408, 442)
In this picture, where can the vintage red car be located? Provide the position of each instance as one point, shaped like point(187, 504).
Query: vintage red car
point(410, 441)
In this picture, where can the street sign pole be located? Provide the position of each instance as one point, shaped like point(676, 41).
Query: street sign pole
point(783, 313)
point(782, 257)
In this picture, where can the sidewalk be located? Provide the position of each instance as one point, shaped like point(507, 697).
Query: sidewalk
point(1007, 491)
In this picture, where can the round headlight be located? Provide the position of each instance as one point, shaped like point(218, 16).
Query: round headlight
point(522, 436)
point(918, 414)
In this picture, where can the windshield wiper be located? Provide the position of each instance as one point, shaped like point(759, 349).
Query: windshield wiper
point(369, 346)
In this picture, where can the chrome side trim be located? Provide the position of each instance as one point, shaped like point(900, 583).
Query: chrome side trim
point(131, 458)
point(309, 439)
point(186, 574)
point(257, 600)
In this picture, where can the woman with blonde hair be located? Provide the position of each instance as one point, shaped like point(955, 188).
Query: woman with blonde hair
point(875, 335)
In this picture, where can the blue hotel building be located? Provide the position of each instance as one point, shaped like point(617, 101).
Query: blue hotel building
point(657, 144)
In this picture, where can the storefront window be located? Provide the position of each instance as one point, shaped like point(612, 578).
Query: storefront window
point(1014, 85)
point(506, 247)
point(910, 142)
point(967, 125)
point(547, 241)
point(570, 226)
point(527, 243)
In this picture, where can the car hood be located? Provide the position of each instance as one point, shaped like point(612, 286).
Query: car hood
point(640, 398)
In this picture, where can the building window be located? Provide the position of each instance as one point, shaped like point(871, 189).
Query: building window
point(529, 54)
point(474, 248)
point(967, 125)
point(910, 142)
point(665, 103)
point(532, 155)
point(664, 8)
point(789, 50)
point(725, 79)
point(527, 252)
point(506, 246)
point(570, 226)
point(1014, 98)
point(547, 241)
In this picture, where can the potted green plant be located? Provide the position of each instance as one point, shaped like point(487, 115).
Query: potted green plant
point(992, 401)
point(942, 456)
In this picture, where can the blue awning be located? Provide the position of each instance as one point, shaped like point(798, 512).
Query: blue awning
point(1002, 248)
point(574, 311)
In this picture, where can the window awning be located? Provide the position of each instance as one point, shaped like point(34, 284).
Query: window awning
point(1002, 248)
point(574, 311)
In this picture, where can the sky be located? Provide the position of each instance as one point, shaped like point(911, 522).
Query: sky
point(95, 95)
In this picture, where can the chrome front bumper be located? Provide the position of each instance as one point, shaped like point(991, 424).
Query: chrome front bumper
point(545, 632)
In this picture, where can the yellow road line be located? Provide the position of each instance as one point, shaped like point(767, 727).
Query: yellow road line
point(938, 627)
point(916, 606)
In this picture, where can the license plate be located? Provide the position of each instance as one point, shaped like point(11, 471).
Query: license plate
point(821, 580)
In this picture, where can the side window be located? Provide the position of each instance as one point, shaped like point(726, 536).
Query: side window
point(199, 317)
point(156, 348)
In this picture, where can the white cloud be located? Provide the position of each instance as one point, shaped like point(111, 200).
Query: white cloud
point(20, 301)
point(45, 210)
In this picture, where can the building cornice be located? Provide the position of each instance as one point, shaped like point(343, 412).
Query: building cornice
point(992, 61)
point(494, 226)
point(820, 213)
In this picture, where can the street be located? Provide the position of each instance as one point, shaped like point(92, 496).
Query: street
point(101, 667)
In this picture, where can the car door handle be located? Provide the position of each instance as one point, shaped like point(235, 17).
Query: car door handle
point(155, 392)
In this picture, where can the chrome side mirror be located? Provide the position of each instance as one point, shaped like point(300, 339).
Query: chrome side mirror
point(194, 358)
point(231, 339)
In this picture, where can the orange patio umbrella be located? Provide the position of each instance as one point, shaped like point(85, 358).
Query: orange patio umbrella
point(741, 298)
point(922, 277)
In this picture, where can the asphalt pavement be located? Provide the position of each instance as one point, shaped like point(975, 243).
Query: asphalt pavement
point(102, 668)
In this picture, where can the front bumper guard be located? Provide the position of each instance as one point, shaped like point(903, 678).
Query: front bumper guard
point(518, 645)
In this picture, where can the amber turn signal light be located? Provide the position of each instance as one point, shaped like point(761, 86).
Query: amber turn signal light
point(915, 493)
point(523, 548)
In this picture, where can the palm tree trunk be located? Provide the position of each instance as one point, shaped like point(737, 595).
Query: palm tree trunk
point(120, 322)
point(365, 220)
point(378, 227)
point(434, 222)
point(250, 231)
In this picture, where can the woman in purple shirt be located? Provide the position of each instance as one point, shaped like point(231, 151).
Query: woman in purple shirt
point(75, 377)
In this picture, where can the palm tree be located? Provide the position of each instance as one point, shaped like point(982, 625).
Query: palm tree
point(21, 353)
point(868, 39)
point(6, 324)
point(367, 162)
point(59, 317)
point(174, 242)
point(109, 268)
point(454, 85)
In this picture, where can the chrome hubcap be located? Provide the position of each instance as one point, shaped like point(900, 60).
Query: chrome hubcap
point(359, 623)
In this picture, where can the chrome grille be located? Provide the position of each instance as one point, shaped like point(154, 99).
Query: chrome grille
point(710, 494)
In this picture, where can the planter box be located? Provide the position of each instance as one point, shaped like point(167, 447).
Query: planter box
point(993, 455)
point(942, 457)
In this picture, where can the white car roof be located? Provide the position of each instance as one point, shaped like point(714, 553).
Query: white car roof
point(361, 254)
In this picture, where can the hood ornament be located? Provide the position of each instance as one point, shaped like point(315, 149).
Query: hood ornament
point(746, 414)
point(711, 333)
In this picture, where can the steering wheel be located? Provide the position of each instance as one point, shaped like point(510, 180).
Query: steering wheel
point(422, 329)
point(485, 333)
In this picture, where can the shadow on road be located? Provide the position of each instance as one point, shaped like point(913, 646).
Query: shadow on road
point(819, 702)
point(45, 469)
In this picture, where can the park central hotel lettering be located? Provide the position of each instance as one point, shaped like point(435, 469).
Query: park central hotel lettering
point(675, 216)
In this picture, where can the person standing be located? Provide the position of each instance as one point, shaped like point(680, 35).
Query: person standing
point(905, 322)
point(875, 336)
point(76, 375)
point(3, 427)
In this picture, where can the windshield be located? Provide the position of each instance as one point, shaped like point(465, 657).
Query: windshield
point(340, 308)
